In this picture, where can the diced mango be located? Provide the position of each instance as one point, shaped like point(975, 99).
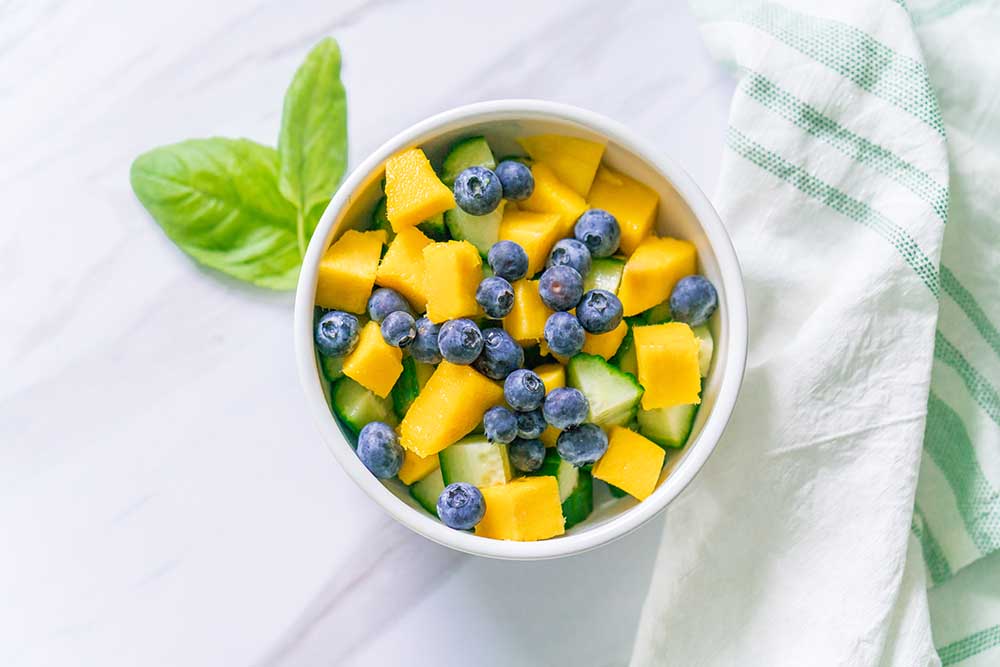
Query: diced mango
point(573, 160)
point(633, 204)
point(667, 360)
point(415, 468)
point(347, 270)
point(606, 344)
point(535, 232)
point(452, 272)
point(526, 321)
point(632, 463)
point(449, 407)
point(413, 192)
point(526, 509)
point(552, 376)
point(553, 196)
point(402, 268)
point(374, 364)
point(652, 271)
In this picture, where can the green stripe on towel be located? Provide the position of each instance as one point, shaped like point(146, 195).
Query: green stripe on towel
point(971, 646)
point(934, 558)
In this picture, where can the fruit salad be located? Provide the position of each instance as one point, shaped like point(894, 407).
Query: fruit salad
point(507, 335)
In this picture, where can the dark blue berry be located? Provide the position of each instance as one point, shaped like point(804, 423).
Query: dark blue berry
point(496, 296)
point(500, 425)
point(582, 444)
point(599, 311)
point(508, 260)
point(571, 253)
point(565, 407)
point(524, 390)
point(516, 178)
point(460, 341)
point(530, 424)
point(599, 231)
point(337, 333)
point(399, 328)
point(561, 287)
point(379, 449)
point(693, 300)
point(424, 347)
point(501, 354)
point(478, 191)
point(526, 455)
point(564, 334)
point(384, 301)
point(461, 506)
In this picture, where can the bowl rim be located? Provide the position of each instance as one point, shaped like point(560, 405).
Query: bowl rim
point(735, 314)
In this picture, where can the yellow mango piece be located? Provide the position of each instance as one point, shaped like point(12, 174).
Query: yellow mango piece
point(402, 268)
point(652, 271)
point(374, 364)
point(526, 320)
point(553, 196)
point(573, 160)
point(415, 468)
point(633, 204)
point(413, 192)
point(525, 509)
point(606, 344)
point(552, 376)
point(632, 463)
point(535, 232)
point(667, 359)
point(452, 272)
point(347, 270)
point(449, 407)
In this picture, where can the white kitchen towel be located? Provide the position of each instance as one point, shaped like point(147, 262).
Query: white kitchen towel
point(799, 543)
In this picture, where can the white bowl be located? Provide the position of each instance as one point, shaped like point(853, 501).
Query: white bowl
point(685, 212)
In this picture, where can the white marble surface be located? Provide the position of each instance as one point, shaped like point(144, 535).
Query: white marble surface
point(164, 497)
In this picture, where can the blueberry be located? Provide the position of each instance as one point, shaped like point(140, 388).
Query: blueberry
point(424, 347)
point(561, 287)
point(582, 444)
point(496, 296)
point(461, 506)
point(500, 425)
point(599, 311)
point(530, 424)
point(460, 341)
point(501, 354)
point(526, 455)
point(524, 390)
point(384, 301)
point(565, 407)
point(516, 178)
point(571, 253)
point(379, 449)
point(478, 191)
point(508, 260)
point(693, 300)
point(337, 333)
point(399, 329)
point(564, 334)
point(599, 231)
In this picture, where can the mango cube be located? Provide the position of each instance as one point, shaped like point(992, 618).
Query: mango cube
point(402, 268)
point(667, 360)
point(652, 271)
point(526, 321)
point(374, 364)
point(632, 203)
point(448, 408)
point(415, 468)
point(526, 509)
point(553, 196)
point(535, 232)
point(552, 376)
point(606, 344)
point(413, 192)
point(573, 160)
point(347, 270)
point(632, 463)
point(452, 272)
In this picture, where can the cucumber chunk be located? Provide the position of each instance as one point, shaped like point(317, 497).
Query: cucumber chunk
point(381, 221)
point(410, 382)
point(471, 152)
point(667, 427)
point(625, 358)
point(576, 487)
point(481, 231)
point(475, 460)
point(707, 348)
point(616, 492)
point(427, 491)
point(658, 314)
point(605, 273)
point(613, 394)
point(332, 367)
point(356, 406)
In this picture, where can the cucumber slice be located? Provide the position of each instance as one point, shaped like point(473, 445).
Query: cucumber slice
point(471, 152)
point(332, 367)
point(355, 406)
point(481, 231)
point(381, 221)
point(707, 348)
point(410, 382)
point(576, 487)
point(475, 460)
point(658, 314)
point(427, 491)
point(434, 228)
point(667, 427)
point(613, 394)
point(624, 358)
point(616, 492)
point(605, 273)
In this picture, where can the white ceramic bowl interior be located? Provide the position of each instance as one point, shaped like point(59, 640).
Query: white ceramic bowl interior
point(685, 213)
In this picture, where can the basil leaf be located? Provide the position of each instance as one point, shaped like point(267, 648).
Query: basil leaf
point(218, 200)
point(312, 146)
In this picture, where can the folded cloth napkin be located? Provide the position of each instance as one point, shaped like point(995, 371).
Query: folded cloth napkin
point(859, 133)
